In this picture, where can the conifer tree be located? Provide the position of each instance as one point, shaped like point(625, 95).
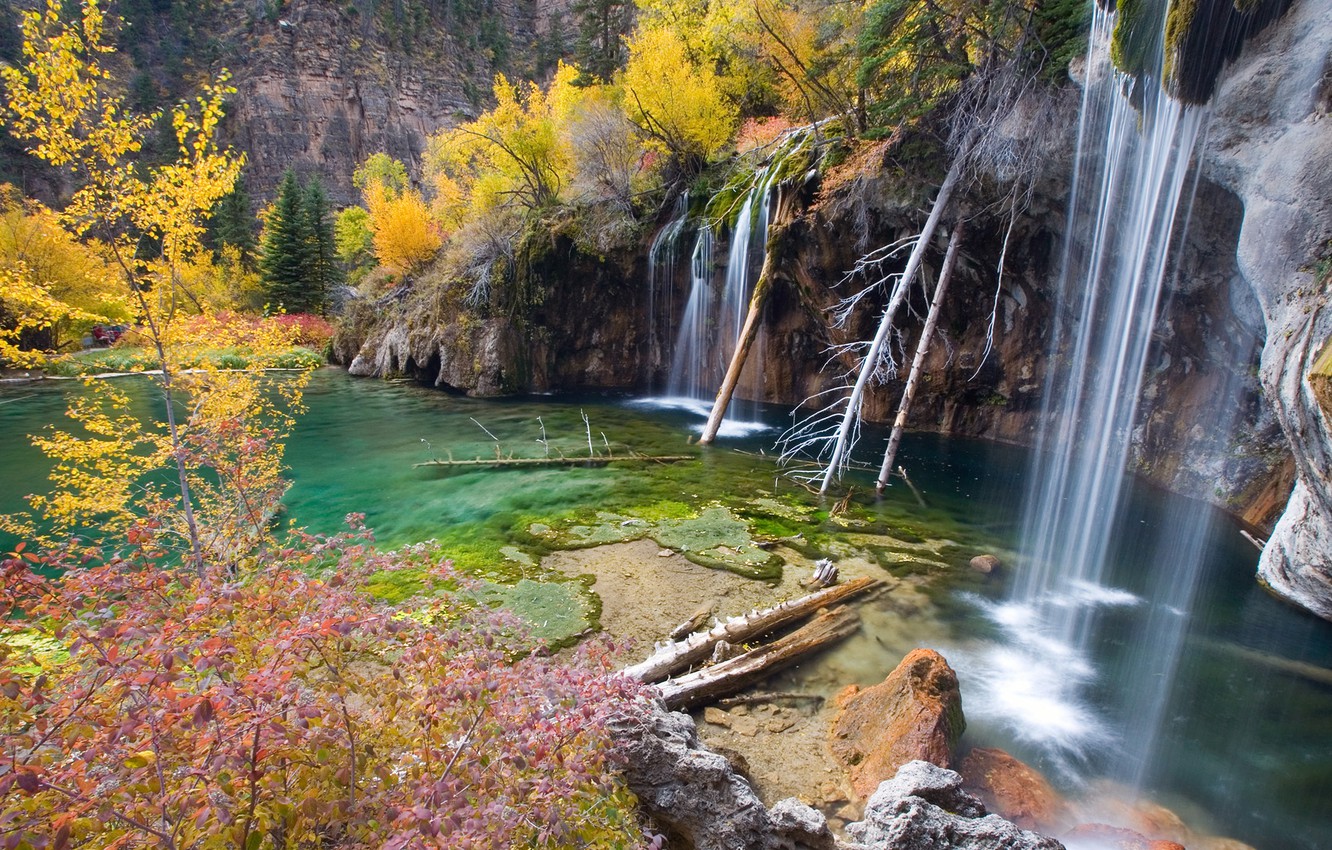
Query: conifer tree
point(321, 268)
point(599, 50)
point(282, 262)
point(233, 224)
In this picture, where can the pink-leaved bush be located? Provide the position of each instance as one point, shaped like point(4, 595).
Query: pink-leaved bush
point(285, 708)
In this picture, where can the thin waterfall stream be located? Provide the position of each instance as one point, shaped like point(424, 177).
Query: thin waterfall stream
point(718, 298)
point(1129, 202)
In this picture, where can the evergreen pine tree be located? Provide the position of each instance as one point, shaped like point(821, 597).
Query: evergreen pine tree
point(233, 224)
point(602, 25)
point(282, 263)
point(321, 267)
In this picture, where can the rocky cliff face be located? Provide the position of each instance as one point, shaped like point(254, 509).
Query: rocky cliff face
point(1244, 294)
point(321, 86)
point(1271, 145)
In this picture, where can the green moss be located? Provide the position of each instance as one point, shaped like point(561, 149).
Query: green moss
point(717, 539)
point(1179, 20)
point(556, 611)
point(394, 586)
point(1135, 37)
point(32, 653)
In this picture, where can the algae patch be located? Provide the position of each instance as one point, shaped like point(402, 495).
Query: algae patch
point(714, 538)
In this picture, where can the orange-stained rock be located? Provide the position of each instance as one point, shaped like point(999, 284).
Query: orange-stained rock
point(1014, 790)
point(915, 713)
point(1099, 836)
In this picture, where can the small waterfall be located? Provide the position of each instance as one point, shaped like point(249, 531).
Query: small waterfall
point(688, 377)
point(1131, 192)
point(662, 256)
point(718, 302)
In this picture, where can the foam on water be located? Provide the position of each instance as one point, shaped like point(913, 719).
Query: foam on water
point(701, 408)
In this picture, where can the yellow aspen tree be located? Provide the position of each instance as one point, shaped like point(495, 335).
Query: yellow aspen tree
point(62, 102)
point(401, 230)
point(678, 103)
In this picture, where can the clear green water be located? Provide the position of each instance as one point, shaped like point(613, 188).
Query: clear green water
point(1246, 743)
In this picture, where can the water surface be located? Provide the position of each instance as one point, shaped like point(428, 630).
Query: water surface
point(1244, 747)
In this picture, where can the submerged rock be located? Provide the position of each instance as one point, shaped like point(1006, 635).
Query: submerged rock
point(1014, 790)
point(923, 807)
point(988, 564)
point(915, 713)
point(1099, 836)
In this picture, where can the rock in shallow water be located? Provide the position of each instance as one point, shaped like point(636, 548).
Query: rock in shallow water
point(924, 807)
point(1014, 790)
point(915, 713)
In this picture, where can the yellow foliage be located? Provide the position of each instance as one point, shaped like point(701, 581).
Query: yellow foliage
point(52, 283)
point(401, 229)
point(60, 102)
point(223, 429)
point(676, 100)
point(511, 155)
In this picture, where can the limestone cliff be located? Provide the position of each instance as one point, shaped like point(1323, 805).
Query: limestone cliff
point(1271, 144)
point(322, 85)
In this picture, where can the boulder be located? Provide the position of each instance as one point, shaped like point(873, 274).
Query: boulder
point(695, 796)
point(1015, 790)
point(1099, 836)
point(915, 713)
point(987, 564)
point(923, 807)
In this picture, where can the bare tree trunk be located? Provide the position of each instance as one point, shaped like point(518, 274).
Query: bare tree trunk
point(752, 319)
point(742, 346)
point(867, 367)
point(674, 656)
point(918, 362)
point(732, 675)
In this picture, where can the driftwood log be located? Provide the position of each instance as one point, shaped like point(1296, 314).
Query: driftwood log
point(674, 656)
point(729, 676)
point(525, 462)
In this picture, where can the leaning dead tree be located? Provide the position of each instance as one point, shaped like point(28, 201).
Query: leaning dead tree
point(781, 220)
point(922, 349)
point(979, 146)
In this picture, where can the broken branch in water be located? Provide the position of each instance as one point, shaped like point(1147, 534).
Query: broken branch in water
point(520, 462)
point(673, 656)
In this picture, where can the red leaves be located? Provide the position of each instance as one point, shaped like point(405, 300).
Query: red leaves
point(283, 704)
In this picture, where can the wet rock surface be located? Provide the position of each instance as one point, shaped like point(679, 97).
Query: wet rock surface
point(1270, 144)
point(915, 713)
point(923, 807)
point(1015, 790)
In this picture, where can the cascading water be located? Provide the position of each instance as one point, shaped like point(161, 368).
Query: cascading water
point(715, 310)
point(662, 256)
point(1130, 184)
point(693, 336)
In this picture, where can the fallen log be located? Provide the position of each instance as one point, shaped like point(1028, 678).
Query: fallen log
point(695, 621)
point(674, 656)
point(730, 676)
point(516, 462)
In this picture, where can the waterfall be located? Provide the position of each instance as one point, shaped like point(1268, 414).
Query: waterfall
point(1130, 197)
point(718, 300)
point(662, 256)
point(693, 336)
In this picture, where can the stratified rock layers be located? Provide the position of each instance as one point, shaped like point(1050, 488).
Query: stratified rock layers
point(1271, 144)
